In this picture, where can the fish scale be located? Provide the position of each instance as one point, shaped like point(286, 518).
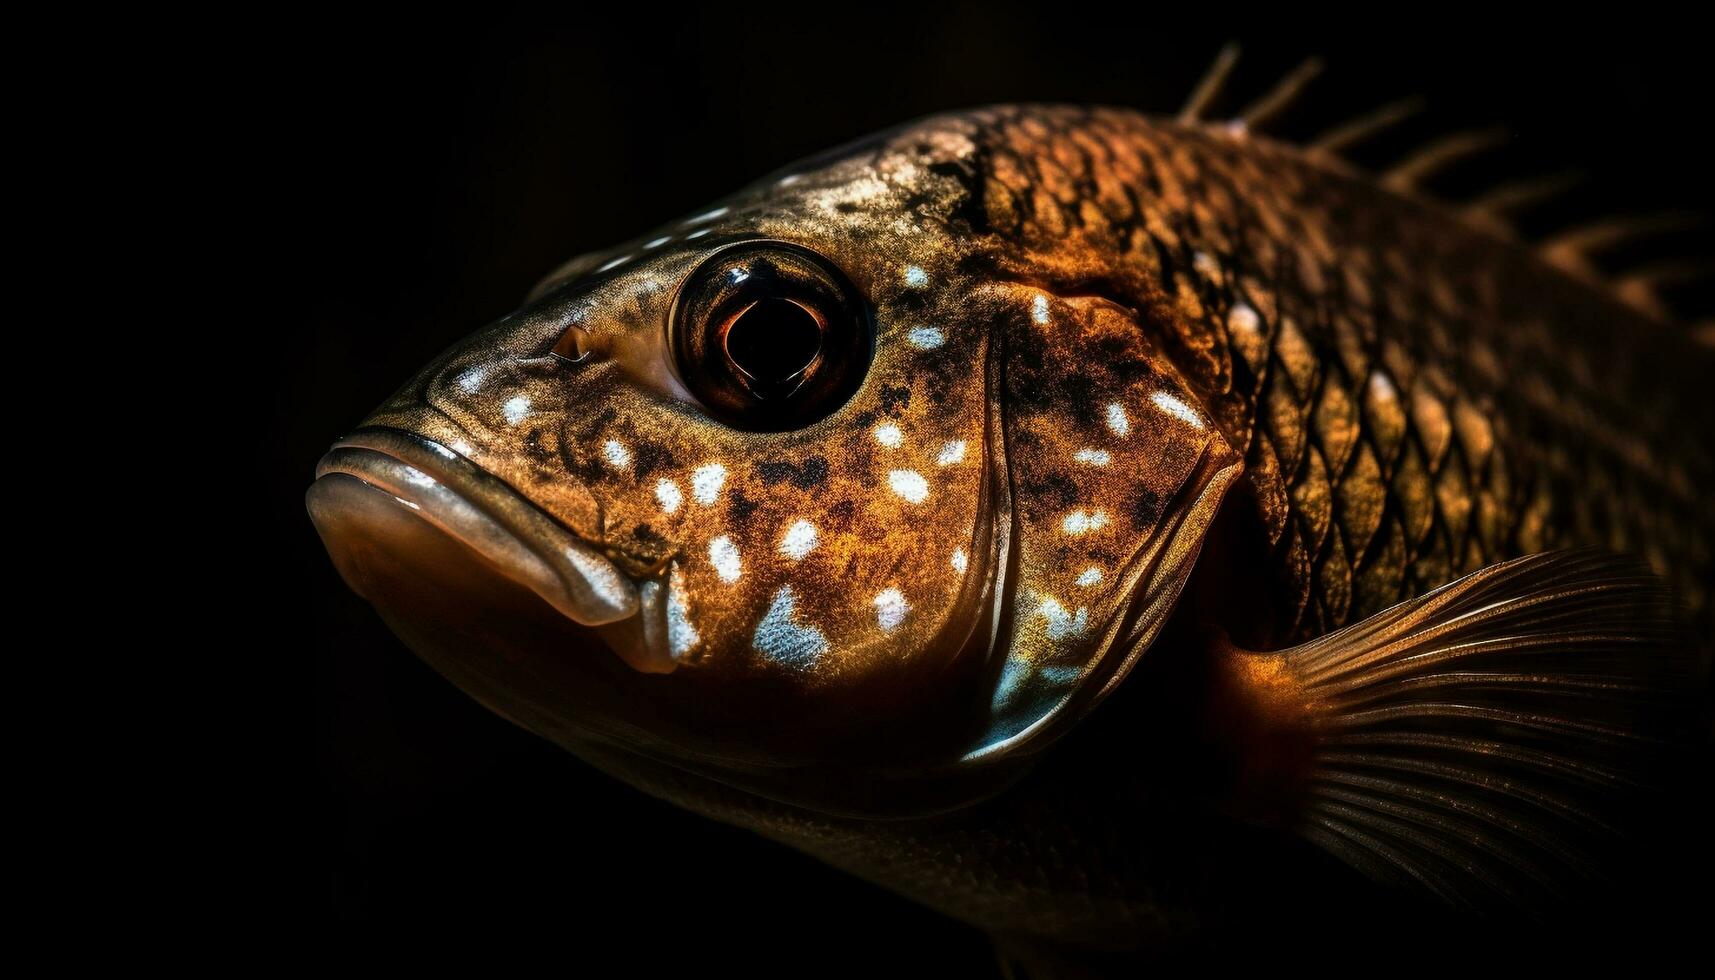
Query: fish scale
point(1414, 398)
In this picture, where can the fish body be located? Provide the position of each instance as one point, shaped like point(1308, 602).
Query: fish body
point(1415, 398)
point(836, 510)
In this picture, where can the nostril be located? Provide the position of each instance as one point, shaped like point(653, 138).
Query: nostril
point(575, 346)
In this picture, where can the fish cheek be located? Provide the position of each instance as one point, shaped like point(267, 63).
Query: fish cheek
point(835, 564)
point(821, 564)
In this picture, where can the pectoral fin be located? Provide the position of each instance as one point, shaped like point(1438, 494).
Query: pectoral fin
point(1486, 741)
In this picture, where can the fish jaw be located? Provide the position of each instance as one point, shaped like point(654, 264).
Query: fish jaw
point(495, 617)
point(480, 624)
point(383, 499)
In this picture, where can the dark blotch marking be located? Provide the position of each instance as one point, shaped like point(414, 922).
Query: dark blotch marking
point(1146, 510)
point(589, 469)
point(894, 398)
point(1080, 393)
point(972, 210)
point(1057, 487)
point(1168, 264)
point(813, 473)
point(534, 449)
point(649, 536)
point(1119, 357)
point(600, 422)
point(649, 457)
point(741, 508)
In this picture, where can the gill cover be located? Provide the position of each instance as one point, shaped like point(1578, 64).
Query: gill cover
point(1116, 473)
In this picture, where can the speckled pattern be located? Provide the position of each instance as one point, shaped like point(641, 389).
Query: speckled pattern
point(1102, 342)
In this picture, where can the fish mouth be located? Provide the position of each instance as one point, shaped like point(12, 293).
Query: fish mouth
point(536, 624)
point(374, 483)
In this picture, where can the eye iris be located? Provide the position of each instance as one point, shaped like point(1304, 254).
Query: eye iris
point(768, 335)
point(773, 341)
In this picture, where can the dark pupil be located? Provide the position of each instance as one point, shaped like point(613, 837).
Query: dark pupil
point(772, 342)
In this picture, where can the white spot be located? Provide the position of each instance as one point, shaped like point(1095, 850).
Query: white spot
point(1178, 409)
point(737, 274)
point(1118, 422)
point(613, 264)
point(515, 409)
point(462, 448)
point(789, 180)
point(681, 635)
point(952, 452)
point(1244, 319)
point(1091, 576)
point(700, 232)
point(706, 483)
point(1039, 309)
point(616, 454)
point(407, 502)
point(1093, 457)
point(708, 216)
point(909, 484)
point(890, 609)
point(443, 451)
point(889, 435)
point(1237, 128)
point(472, 379)
point(799, 541)
point(915, 277)
point(723, 554)
point(781, 639)
point(1078, 522)
point(960, 561)
point(668, 493)
point(1061, 623)
point(926, 338)
point(1381, 387)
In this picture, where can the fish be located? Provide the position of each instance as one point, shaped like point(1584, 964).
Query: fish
point(1058, 514)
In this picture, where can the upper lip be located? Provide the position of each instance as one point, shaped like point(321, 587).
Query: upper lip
point(491, 518)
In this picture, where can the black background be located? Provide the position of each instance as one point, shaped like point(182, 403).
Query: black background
point(418, 176)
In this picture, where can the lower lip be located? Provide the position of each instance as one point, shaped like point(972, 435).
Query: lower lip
point(441, 489)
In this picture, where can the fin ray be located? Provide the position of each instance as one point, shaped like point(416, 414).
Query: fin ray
point(1488, 740)
point(1371, 124)
point(1283, 95)
point(1459, 836)
point(1209, 88)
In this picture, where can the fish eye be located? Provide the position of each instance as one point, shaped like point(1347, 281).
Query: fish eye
point(769, 336)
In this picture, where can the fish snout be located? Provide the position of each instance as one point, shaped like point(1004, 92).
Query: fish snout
point(387, 503)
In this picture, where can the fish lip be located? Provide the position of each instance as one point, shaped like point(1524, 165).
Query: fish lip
point(487, 515)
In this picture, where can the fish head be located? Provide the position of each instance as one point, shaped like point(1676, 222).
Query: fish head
point(736, 497)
